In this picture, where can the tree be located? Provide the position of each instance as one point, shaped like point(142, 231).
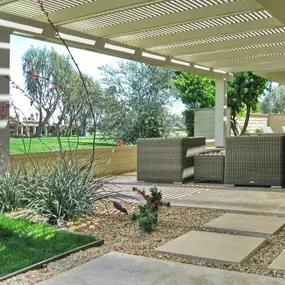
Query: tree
point(243, 93)
point(274, 101)
point(84, 115)
point(195, 91)
point(137, 96)
point(47, 77)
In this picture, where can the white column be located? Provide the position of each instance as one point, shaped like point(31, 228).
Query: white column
point(22, 130)
point(45, 131)
point(220, 112)
point(34, 130)
point(4, 98)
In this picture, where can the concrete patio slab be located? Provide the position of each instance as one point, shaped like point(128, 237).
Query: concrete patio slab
point(213, 247)
point(253, 200)
point(279, 263)
point(236, 200)
point(247, 224)
point(124, 269)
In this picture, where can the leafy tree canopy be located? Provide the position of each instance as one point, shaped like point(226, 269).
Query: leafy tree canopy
point(195, 91)
point(243, 93)
point(47, 77)
point(138, 97)
point(274, 101)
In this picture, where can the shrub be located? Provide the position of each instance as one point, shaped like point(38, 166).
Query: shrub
point(189, 121)
point(10, 190)
point(65, 192)
point(148, 212)
point(259, 131)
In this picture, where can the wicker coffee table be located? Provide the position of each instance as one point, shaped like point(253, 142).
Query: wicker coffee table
point(209, 167)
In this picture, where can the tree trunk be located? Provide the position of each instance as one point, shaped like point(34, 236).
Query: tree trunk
point(234, 126)
point(83, 127)
point(42, 124)
point(246, 120)
point(39, 130)
point(57, 127)
point(69, 129)
point(56, 130)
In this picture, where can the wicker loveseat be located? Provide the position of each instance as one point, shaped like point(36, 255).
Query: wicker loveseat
point(255, 160)
point(167, 160)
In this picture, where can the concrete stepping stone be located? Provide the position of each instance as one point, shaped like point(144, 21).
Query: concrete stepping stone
point(124, 269)
point(247, 224)
point(279, 263)
point(213, 247)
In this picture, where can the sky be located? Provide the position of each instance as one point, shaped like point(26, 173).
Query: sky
point(87, 61)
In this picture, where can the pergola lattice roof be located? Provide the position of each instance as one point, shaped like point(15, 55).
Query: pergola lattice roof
point(207, 37)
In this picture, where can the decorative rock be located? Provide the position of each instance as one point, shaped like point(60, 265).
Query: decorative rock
point(278, 265)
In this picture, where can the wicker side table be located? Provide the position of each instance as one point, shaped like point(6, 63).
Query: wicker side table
point(209, 167)
point(167, 160)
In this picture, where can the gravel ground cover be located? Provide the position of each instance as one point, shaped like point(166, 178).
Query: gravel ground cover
point(121, 234)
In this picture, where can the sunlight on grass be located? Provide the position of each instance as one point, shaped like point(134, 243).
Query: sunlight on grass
point(23, 243)
point(20, 145)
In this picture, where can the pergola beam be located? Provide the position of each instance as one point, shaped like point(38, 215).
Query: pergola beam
point(256, 67)
point(206, 33)
point(48, 34)
point(5, 2)
point(232, 54)
point(278, 76)
point(179, 51)
point(94, 8)
point(178, 18)
point(275, 7)
point(245, 61)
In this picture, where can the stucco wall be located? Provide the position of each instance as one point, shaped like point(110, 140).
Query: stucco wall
point(276, 122)
point(205, 122)
point(109, 161)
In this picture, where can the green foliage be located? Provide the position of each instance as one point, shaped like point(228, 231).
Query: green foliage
point(10, 190)
point(274, 101)
point(133, 216)
point(65, 192)
point(48, 75)
point(80, 109)
point(190, 121)
point(258, 131)
point(46, 144)
point(23, 243)
point(243, 92)
point(195, 91)
point(148, 212)
point(137, 100)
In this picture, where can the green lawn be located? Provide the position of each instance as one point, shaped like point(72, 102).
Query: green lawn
point(17, 145)
point(23, 243)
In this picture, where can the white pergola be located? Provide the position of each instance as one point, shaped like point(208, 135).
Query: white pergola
point(206, 37)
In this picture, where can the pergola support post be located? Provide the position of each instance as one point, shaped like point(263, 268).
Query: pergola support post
point(221, 112)
point(4, 99)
